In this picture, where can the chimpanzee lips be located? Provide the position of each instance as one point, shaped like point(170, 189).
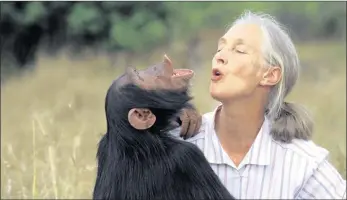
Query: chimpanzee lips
point(182, 73)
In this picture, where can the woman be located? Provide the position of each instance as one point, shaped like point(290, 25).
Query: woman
point(256, 143)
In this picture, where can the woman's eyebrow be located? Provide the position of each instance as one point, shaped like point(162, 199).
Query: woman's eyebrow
point(238, 41)
point(222, 40)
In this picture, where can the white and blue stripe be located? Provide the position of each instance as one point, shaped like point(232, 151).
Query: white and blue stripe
point(271, 169)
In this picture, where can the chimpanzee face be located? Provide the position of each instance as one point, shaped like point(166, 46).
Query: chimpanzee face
point(161, 76)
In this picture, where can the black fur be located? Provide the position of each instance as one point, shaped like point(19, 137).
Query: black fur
point(150, 164)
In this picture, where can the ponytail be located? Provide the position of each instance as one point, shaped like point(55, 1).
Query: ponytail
point(292, 122)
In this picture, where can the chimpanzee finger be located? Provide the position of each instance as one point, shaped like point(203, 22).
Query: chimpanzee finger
point(198, 124)
point(192, 126)
point(187, 135)
point(185, 123)
point(184, 129)
point(192, 123)
point(175, 124)
point(195, 122)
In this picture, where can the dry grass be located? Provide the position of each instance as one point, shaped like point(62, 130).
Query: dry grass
point(52, 119)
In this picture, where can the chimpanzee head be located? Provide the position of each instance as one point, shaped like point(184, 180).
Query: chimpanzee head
point(148, 97)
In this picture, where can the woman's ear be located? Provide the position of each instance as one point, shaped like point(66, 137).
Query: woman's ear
point(272, 76)
point(141, 118)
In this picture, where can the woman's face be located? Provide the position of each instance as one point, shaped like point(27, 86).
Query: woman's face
point(236, 66)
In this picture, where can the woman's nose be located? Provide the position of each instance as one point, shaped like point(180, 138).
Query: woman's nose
point(221, 59)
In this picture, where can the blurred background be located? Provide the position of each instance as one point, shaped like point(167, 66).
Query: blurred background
point(59, 58)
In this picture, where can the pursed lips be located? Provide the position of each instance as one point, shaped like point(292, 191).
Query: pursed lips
point(216, 75)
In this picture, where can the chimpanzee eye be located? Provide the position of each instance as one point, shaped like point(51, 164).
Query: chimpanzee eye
point(138, 74)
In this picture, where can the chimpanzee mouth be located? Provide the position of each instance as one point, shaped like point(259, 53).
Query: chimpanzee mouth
point(180, 73)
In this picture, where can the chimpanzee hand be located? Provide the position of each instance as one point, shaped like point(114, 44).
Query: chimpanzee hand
point(190, 121)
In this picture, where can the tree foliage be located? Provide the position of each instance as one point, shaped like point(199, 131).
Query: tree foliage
point(139, 26)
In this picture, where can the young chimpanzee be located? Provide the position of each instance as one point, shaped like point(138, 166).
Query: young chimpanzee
point(137, 158)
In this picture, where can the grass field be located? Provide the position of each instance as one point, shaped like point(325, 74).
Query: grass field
point(52, 118)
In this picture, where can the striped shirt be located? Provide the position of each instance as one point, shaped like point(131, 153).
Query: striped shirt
point(271, 169)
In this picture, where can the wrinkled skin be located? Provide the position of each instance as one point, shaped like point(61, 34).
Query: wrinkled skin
point(190, 122)
point(164, 76)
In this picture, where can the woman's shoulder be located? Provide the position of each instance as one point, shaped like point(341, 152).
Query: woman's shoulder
point(305, 149)
point(206, 121)
point(205, 128)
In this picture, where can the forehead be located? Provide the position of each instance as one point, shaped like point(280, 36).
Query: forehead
point(248, 34)
point(121, 81)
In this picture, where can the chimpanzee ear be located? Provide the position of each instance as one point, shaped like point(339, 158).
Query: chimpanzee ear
point(167, 60)
point(141, 118)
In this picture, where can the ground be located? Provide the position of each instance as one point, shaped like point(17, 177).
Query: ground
point(52, 118)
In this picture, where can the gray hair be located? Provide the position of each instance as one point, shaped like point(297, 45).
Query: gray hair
point(288, 119)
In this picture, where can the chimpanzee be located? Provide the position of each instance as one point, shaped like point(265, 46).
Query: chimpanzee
point(137, 157)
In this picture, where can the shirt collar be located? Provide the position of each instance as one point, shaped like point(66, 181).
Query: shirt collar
point(259, 153)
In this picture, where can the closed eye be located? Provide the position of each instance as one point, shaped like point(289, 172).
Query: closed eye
point(240, 51)
point(138, 75)
point(240, 48)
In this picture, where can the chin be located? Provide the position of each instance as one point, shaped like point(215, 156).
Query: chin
point(217, 95)
point(216, 92)
point(224, 96)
